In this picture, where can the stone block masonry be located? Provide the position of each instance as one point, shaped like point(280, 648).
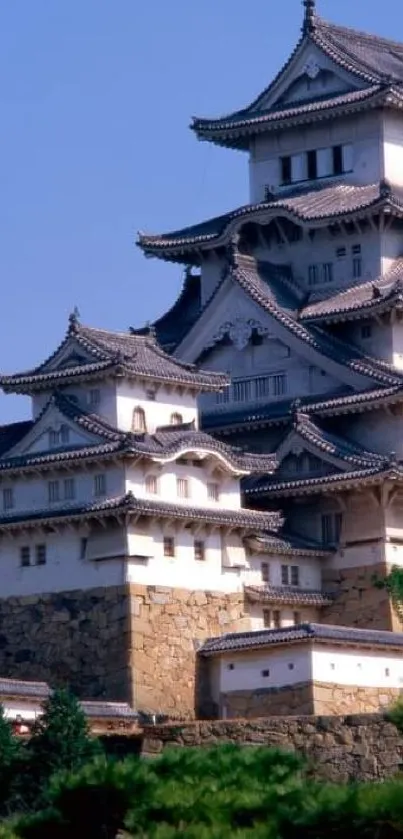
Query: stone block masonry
point(76, 638)
point(308, 698)
point(168, 626)
point(358, 602)
point(341, 749)
point(131, 643)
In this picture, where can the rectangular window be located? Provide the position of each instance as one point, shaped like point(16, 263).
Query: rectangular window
point(242, 390)
point(25, 556)
point(285, 577)
point(279, 384)
point(223, 397)
point(40, 554)
point(99, 485)
point(54, 438)
point(341, 253)
point(294, 575)
point(182, 487)
point(327, 272)
point(64, 434)
point(366, 331)
point(8, 498)
point(297, 618)
point(83, 547)
point(199, 551)
point(331, 528)
point(337, 160)
point(213, 492)
point(69, 489)
point(53, 491)
point(277, 620)
point(266, 618)
point(312, 165)
point(265, 570)
point(285, 166)
point(338, 524)
point(313, 275)
point(152, 484)
point(169, 546)
point(262, 387)
point(94, 398)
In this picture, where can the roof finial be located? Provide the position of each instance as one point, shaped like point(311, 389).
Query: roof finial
point(74, 318)
point(309, 17)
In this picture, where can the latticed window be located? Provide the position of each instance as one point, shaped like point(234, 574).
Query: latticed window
point(139, 420)
point(199, 550)
point(294, 576)
point(169, 546)
point(8, 498)
point(176, 418)
point(94, 398)
point(242, 390)
point(69, 489)
point(25, 556)
point(100, 485)
point(267, 618)
point(331, 528)
point(182, 487)
point(277, 620)
point(265, 571)
point(297, 618)
point(213, 491)
point(53, 491)
point(152, 484)
point(40, 554)
point(279, 384)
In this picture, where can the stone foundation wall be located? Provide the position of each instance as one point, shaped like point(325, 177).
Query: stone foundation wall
point(307, 698)
point(76, 638)
point(249, 704)
point(358, 602)
point(168, 626)
point(342, 749)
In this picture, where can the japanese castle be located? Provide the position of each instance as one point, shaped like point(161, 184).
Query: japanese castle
point(198, 513)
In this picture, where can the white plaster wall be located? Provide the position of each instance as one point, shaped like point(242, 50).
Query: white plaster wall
point(81, 392)
point(392, 124)
point(361, 668)
point(31, 492)
point(308, 615)
point(248, 667)
point(379, 431)
point(365, 135)
point(130, 395)
point(64, 569)
point(310, 570)
point(183, 571)
point(198, 478)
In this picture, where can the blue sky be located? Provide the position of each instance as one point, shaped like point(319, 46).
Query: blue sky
point(96, 98)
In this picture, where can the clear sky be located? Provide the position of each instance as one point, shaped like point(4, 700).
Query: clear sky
point(96, 98)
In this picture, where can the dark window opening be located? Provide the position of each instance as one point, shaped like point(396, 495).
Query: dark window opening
point(312, 163)
point(337, 160)
point(285, 170)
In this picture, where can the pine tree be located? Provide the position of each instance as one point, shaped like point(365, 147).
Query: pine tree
point(60, 741)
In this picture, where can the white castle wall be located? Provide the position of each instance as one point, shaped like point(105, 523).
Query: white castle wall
point(292, 665)
point(197, 477)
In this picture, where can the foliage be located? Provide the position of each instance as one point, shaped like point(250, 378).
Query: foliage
point(10, 765)
point(222, 793)
point(60, 742)
point(393, 583)
point(395, 713)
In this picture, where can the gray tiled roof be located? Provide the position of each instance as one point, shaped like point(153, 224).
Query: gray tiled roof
point(162, 445)
point(172, 327)
point(314, 203)
point(287, 596)
point(305, 632)
point(244, 519)
point(18, 687)
point(280, 488)
point(338, 447)
point(375, 62)
point(364, 299)
point(99, 709)
point(288, 543)
point(113, 352)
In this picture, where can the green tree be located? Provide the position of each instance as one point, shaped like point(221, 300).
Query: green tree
point(60, 741)
point(10, 765)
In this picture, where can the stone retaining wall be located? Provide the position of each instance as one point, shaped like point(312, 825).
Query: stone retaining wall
point(358, 602)
point(317, 698)
point(77, 638)
point(341, 749)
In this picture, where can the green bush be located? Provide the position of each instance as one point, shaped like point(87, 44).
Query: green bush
point(395, 713)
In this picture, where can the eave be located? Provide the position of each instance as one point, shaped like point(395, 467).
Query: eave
point(238, 131)
point(352, 479)
point(130, 508)
point(284, 596)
